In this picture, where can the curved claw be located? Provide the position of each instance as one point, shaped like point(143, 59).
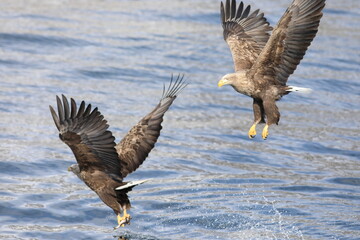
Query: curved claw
point(252, 131)
point(265, 132)
point(123, 220)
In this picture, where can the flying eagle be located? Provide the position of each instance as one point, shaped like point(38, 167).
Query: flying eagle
point(263, 63)
point(102, 164)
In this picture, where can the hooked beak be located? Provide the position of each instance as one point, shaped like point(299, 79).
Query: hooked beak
point(223, 82)
point(69, 169)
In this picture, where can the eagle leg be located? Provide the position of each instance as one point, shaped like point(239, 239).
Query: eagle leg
point(259, 116)
point(125, 219)
point(272, 115)
point(265, 132)
point(252, 131)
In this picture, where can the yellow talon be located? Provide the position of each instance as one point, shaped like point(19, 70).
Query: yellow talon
point(125, 219)
point(252, 131)
point(265, 132)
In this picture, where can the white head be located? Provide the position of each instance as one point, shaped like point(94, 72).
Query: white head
point(75, 169)
point(228, 79)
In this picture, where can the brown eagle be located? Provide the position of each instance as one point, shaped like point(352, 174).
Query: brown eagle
point(263, 63)
point(102, 164)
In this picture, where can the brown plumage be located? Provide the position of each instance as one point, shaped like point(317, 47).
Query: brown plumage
point(263, 63)
point(102, 164)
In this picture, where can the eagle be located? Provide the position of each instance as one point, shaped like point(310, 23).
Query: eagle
point(103, 164)
point(264, 62)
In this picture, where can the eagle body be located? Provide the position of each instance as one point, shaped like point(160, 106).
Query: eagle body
point(104, 185)
point(103, 164)
point(263, 62)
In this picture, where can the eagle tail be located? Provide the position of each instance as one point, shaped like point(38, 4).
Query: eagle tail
point(131, 184)
point(298, 89)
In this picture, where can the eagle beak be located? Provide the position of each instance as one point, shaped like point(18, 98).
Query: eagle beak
point(222, 82)
point(69, 169)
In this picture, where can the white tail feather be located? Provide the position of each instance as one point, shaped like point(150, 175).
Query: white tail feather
point(299, 89)
point(131, 184)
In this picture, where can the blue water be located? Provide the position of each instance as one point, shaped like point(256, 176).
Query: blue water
point(209, 181)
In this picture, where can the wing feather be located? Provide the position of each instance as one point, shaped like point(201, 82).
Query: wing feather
point(239, 11)
point(60, 109)
point(245, 34)
point(86, 133)
point(81, 109)
point(289, 41)
point(140, 140)
point(73, 109)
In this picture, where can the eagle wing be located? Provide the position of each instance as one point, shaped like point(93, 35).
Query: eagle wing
point(289, 41)
point(140, 140)
point(85, 132)
point(246, 34)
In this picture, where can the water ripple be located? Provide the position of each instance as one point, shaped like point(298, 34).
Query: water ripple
point(208, 180)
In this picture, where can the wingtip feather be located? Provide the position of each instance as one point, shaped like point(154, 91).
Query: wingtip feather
point(175, 87)
point(55, 117)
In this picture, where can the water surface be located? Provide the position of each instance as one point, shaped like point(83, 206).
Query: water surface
point(209, 181)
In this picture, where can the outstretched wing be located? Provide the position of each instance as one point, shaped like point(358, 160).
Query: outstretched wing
point(289, 41)
point(246, 34)
point(85, 132)
point(137, 144)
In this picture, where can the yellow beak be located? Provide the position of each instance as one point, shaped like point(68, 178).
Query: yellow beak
point(221, 83)
point(69, 169)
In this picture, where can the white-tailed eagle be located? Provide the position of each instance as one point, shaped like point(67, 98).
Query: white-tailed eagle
point(103, 164)
point(264, 62)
